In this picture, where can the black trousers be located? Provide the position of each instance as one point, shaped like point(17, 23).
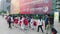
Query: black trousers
point(29, 25)
point(40, 26)
point(45, 25)
point(9, 25)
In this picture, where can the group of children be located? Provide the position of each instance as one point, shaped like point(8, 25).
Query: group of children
point(21, 22)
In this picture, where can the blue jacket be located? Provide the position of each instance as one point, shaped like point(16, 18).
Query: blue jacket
point(46, 19)
point(29, 19)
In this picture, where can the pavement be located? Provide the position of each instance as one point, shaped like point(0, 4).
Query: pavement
point(57, 27)
point(5, 30)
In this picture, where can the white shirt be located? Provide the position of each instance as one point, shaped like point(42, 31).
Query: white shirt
point(32, 21)
point(40, 22)
point(11, 18)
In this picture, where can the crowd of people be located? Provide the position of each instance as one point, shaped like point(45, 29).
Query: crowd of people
point(26, 23)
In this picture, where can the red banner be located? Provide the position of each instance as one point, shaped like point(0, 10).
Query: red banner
point(35, 6)
point(30, 6)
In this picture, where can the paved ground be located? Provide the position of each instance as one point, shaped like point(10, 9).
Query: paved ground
point(5, 30)
point(57, 26)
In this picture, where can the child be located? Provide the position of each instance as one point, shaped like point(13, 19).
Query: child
point(16, 22)
point(22, 22)
point(33, 23)
point(6, 18)
point(26, 23)
point(9, 21)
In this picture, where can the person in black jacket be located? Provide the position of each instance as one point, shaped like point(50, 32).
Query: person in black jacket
point(46, 20)
point(9, 21)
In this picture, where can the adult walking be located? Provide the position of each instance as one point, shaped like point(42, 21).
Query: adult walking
point(46, 21)
point(48, 28)
point(40, 24)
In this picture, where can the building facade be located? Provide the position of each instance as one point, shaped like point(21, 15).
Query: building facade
point(4, 4)
point(1, 6)
point(58, 7)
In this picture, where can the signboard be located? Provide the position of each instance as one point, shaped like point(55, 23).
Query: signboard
point(56, 17)
point(31, 6)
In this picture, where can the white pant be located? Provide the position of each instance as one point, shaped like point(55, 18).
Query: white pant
point(22, 26)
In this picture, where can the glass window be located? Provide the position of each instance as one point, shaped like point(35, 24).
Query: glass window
point(8, 1)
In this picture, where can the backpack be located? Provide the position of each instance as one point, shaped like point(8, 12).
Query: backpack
point(16, 21)
point(25, 21)
point(9, 19)
point(35, 24)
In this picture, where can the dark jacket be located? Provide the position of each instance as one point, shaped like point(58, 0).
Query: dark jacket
point(29, 19)
point(9, 20)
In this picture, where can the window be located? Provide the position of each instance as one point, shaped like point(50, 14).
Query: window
point(8, 1)
point(57, 0)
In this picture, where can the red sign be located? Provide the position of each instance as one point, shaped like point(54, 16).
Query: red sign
point(35, 6)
